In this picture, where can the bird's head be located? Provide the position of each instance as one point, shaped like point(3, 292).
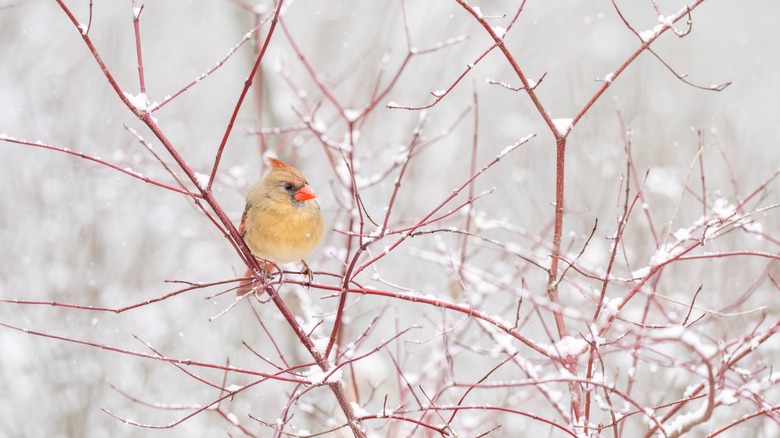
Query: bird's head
point(286, 182)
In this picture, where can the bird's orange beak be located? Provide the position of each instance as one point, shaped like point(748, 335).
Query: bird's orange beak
point(305, 193)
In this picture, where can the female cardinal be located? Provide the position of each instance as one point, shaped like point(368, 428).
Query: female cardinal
point(282, 221)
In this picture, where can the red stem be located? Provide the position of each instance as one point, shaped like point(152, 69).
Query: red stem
point(137, 30)
point(244, 91)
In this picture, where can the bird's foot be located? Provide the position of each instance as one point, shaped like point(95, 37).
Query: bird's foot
point(251, 284)
point(308, 273)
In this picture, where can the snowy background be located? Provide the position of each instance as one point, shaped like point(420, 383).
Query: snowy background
point(75, 232)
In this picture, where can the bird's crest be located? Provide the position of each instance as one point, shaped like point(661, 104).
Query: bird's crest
point(276, 164)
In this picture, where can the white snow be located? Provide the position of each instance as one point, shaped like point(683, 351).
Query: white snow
point(671, 332)
point(319, 125)
point(682, 234)
point(402, 155)
point(562, 125)
point(139, 101)
point(666, 20)
point(664, 254)
point(512, 147)
point(307, 326)
point(754, 227)
point(315, 375)
point(699, 343)
point(506, 150)
point(612, 305)
point(570, 346)
point(321, 343)
point(608, 77)
point(358, 411)
point(352, 114)
point(202, 180)
point(723, 208)
point(335, 377)
point(648, 35)
point(129, 171)
point(641, 272)
point(499, 31)
point(680, 422)
point(727, 397)
point(661, 256)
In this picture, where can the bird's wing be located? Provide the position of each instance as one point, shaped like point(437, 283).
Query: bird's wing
point(242, 227)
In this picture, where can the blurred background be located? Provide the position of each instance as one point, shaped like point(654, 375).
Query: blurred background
point(72, 231)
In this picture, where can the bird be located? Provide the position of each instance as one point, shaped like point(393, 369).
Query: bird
point(282, 222)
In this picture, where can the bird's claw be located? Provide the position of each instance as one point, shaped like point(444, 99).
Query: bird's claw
point(308, 273)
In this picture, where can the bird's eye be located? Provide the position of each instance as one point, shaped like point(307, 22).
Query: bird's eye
point(288, 186)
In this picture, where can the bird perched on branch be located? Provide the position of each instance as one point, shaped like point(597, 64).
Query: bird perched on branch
point(282, 222)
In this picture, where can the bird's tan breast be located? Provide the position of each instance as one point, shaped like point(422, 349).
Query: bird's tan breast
point(283, 233)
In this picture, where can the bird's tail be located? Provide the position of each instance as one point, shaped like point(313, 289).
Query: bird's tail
point(245, 285)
